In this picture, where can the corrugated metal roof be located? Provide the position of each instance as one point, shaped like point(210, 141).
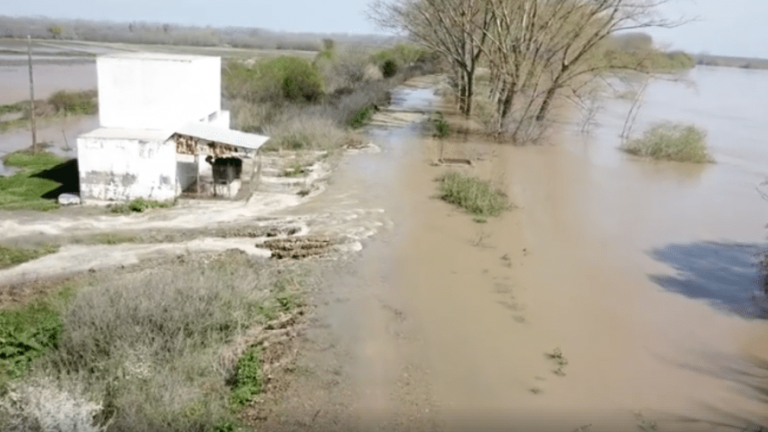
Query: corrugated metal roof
point(133, 134)
point(224, 136)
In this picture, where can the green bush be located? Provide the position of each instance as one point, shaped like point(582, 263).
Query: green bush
point(282, 78)
point(65, 102)
point(363, 116)
point(476, 196)
point(671, 142)
point(389, 68)
point(441, 129)
point(28, 332)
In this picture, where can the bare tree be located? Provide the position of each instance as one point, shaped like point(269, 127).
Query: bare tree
point(538, 49)
point(455, 29)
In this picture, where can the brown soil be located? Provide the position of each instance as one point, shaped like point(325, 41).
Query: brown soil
point(300, 247)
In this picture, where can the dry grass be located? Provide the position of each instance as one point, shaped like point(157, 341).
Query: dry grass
point(154, 346)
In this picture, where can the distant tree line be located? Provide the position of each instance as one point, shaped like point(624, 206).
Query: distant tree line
point(171, 34)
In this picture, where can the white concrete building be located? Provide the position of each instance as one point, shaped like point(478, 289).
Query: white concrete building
point(160, 121)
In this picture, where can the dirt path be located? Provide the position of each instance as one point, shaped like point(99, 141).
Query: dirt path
point(444, 324)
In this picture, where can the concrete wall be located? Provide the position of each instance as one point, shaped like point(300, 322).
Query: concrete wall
point(186, 172)
point(157, 91)
point(126, 169)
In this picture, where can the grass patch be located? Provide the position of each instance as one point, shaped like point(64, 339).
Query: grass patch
point(478, 197)
point(11, 256)
point(25, 190)
point(139, 205)
point(248, 380)
point(671, 142)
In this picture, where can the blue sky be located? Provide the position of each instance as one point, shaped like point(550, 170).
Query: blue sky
point(728, 27)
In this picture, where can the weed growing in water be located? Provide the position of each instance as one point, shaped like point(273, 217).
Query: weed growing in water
point(478, 197)
point(671, 142)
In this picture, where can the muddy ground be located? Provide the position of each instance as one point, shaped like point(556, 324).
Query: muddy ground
point(555, 316)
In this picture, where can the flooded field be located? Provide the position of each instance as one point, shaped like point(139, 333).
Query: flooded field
point(641, 274)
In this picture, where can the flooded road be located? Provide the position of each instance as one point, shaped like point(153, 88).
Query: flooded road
point(640, 273)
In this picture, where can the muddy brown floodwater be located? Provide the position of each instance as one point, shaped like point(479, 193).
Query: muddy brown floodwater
point(640, 273)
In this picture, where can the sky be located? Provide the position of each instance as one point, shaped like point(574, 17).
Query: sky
point(723, 27)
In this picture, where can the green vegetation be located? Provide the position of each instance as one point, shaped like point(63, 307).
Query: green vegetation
point(28, 332)
point(671, 142)
point(440, 126)
point(281, 79)
point(74, 103)
point(305, 106)
point(389, 68)
point(307, 133)
point(363, 116)
point(160, 348)
point(478, 197)
point(139, 205)
point(25, 190)
point(248, 380)
point(60, 103)
point(11, 256)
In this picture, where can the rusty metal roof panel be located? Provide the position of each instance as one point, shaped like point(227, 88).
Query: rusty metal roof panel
point(220, 135)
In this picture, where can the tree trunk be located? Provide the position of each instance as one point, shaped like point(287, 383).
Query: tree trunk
point(469, 93)
point(544, 109)
point(505, 107)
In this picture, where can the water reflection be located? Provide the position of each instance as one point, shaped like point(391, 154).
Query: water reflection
point(725, 275)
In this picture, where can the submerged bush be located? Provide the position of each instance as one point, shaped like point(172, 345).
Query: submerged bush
point(671, 142)
point(66, 102)
point(478, 197)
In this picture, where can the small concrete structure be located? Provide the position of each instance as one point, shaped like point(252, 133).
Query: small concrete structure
point(162, 131)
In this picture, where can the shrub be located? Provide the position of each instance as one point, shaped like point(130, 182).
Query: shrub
point(671, 142)
point(282, 78)
point(476, 196)
point(43, 405)
point(65, 102)
point(151, 344)
point(389, 68)
point(441, 129)
point(304, 131)
point(28, 332)
point(363, 116)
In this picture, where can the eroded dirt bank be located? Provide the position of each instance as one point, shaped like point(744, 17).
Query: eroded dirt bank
point(445, 324)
